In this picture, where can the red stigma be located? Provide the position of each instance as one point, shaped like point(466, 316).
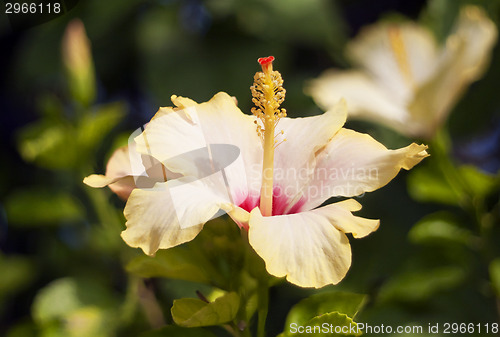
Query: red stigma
point(264, 61)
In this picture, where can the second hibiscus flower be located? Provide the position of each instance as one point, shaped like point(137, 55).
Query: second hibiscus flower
point(405, 79)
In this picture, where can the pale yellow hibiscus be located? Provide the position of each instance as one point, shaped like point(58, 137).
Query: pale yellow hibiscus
point(269, 173)
point(405, 79)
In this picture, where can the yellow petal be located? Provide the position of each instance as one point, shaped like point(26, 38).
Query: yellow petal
point(365, 97)
point(174, 136)
point(465, 58)
point(305, 247)
point(354, 163)
point(172, 213)
point(339, 214)
point(126, 170)
point(398, 56)
point(295, 157)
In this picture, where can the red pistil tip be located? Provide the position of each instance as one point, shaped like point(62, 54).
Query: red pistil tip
point(264, 61)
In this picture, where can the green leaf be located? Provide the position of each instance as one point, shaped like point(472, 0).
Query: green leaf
point(74, 307)
point(440, 16)
point(17, 273)
point(36, 206)
point(420, 285)
point(177, 263)
point(439, 228)
point(176, 331)
point(330, 324)
point(95, 125)
point(495, 275)
point(428, 185)
point(479, 183)
point(48, 145)
point(192, 312)
point(342, 302)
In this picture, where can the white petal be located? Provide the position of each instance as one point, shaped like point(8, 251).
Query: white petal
point(304, 247)
point(179, 138)
point(389, 51)
point(127, 169)
point(465, 58)
point(478, 33)
point(339, 214)
point(172, 213)
point(295, 157)
point(365, 97)
point(354, 163)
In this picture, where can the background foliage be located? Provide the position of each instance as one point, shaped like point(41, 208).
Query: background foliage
point(66, 272)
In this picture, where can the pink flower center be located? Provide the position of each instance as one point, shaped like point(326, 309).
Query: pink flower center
point(281, 203)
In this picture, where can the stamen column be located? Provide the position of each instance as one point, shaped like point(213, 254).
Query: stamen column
point(268, 93)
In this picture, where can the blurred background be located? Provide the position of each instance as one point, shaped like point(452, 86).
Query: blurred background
point(61, 257)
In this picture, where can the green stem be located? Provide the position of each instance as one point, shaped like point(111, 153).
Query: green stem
point(439, 147)
point(129, 306)
point(475, 206)
point(263, 307)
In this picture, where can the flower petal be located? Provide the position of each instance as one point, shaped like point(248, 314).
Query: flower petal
point(339, 214)
point(173, 212)
point(295, 157)
point(365, 97)
point(398, 56)
point(126, 170)
point(479, 34)
point(465, 58)
point(304, 247)
point(354, 163)
point(173, 133)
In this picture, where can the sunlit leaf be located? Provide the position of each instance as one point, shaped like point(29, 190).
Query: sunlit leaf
point(192, 312)
point(176, 263)
point(420, 285)
point(425, 184)
point(480, 184)
point(439, 228)
point(48, 145)
point(38, 206)
point(322, 303)
point(96, 124)
point(73, 307)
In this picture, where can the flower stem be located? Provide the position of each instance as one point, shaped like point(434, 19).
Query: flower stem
point(263, 307)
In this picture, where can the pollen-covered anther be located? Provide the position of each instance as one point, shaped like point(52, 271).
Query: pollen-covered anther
point(268, 94)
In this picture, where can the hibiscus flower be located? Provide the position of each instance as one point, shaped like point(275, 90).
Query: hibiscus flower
point(406, 80)
point(269, 173)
